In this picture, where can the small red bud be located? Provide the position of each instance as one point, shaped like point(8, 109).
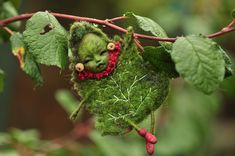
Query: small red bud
point(150, 138)
point(142, 132)
point(149, 148)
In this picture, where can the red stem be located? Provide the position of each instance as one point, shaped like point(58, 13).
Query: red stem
point(117, 19)
point(222, 32)
point(231, 24)
point(108, 23)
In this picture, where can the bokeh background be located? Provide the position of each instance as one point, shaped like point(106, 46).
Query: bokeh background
point(34, 121)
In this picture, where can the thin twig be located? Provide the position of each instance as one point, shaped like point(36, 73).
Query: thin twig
point(231, 24)
point(137, 42)
point(222, 32)
point(117, 19)
point(8, 30)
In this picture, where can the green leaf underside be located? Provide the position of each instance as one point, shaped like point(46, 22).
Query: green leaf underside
point(46, 40)
point(27, 62)
point(161, 60)
point(199, 61)
point(149, 25)
point(1, 80)
point(228, 64)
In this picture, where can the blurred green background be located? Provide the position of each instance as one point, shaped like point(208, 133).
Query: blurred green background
point(35, 121)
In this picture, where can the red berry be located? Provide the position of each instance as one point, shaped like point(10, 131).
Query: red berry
point(149, 148)
point(142, 132)
point(150, 138)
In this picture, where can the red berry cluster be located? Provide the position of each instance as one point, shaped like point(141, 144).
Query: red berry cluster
point(150, 140)
point(113, 57)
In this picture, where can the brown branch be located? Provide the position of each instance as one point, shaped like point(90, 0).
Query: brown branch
point(108, 22)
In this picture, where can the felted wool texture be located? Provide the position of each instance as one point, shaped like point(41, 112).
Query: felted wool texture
point(131, 92)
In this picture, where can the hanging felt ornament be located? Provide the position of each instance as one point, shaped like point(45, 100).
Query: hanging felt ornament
point(114, 82)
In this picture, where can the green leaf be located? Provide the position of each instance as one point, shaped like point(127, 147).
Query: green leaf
point(66, 100)
point(2, 77)
point(161, 60)
point(149, 25)
point(27, 62)
point(8, 10)
point(28, 138)
point(233, 13)
point(111, 146)
point(228, 64)
point(189, 124)
point(199, 61)
point(46, 40)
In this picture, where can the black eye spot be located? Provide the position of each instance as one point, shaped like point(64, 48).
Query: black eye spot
point(86, 61)
point(103, 52)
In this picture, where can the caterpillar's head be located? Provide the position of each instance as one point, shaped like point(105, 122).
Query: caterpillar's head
point(89, 47)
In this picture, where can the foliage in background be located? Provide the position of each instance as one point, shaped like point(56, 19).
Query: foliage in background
point(186, 132)
point(1, 80)
point(8, 8)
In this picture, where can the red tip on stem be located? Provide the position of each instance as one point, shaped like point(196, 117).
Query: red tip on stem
point(142, 132)
point(149, 148)
point(150, 138)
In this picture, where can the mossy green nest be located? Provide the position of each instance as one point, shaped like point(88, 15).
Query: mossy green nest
point(131, 92)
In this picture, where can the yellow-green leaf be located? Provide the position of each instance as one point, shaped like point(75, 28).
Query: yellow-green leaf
point(27, 62)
